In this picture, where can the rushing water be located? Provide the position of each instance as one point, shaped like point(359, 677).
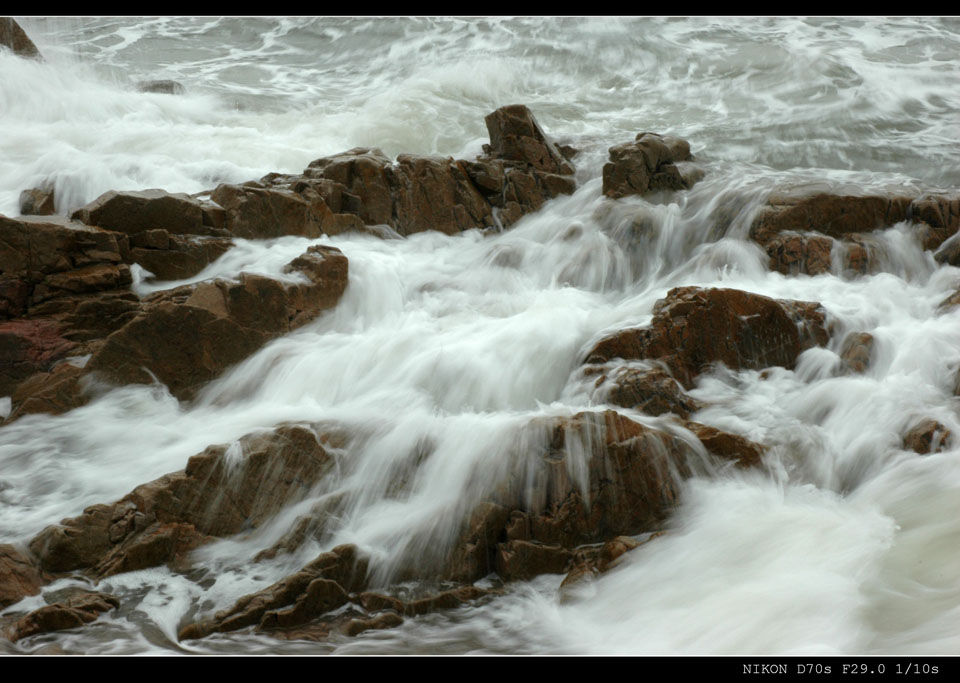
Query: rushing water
point(448, 346)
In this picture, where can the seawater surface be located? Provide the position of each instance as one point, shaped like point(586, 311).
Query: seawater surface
point(844, 543)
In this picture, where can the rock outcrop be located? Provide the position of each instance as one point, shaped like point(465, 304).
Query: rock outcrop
point(20, 575)
point(37, 201)
point(165, 87)
point(77, 608)
point(650, 163)
point(693, 328)
point(16, 39)
point(927, 436)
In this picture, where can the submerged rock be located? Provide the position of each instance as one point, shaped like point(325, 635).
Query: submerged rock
point(78, 609)
point(693, 328)
point(927, 436)
point(856, 352)
point(166, 87)
point(16, 39)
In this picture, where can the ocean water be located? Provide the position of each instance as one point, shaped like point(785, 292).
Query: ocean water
point(844, 543)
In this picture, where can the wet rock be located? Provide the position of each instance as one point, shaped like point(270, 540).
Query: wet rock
point(436, 194)
point(44, 258)
point(793, 254)
point(136, 212)
point(648, 164)
point(520, 560)
point(386, 620)
point(81, 608)
point(362, 173)
point(515, 135)
point(331, 575)
point(187, 336)
point(16, 39)
point(20, 575)
point(652, 391)
point(939, 217)
point(856, 352)
point(742, 451)
point(927, 436)
point(693, 328)
point(214, 496)
point(28, 347)
point(260, 213)
point(179, 257)
point(591, 561)
point(166, 87)
point(54, 392)
point(37, 202)
point(474, 553)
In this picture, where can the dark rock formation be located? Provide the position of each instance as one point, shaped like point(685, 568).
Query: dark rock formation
point(14, 38)
point(927, 436)
point(82, 607)
point(37, 202)
point(648, 164)
point(20, 575)
point(652, 391)
point(693, 328)
point(166, 87)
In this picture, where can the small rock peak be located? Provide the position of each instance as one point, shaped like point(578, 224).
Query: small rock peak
point(12, 36)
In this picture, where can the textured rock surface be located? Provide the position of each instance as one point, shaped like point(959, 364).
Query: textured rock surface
point(37, 202)
point(648, 164)
point(927, 436)
point(20, 575)
point(693, 328)
point(82, 607)
point(136, 212)
point(16, 39)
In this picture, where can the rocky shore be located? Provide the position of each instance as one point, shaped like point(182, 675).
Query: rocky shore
point(71, 329)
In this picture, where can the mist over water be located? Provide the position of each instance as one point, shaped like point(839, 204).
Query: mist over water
point(444, 349)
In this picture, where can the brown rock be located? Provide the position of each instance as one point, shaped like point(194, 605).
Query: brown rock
point(214, 496)
point(939, 217)
point(135, 212)
point(342, 569)
point(28, 347)
point(927, 436)
point(15, 38)
point(520, 560)
point(386, 620)
point(77, 610)
point(651, 391)
point(37, 202)
point(515, 135)
point(362, 172)
point(187, 336)
point(728, 446)
point(20, 575)
point(180, 257)
point(647, 165)
point(793, 254)
point(693, 328)
point(856, 351)
point(436, 194)
point(259, 213)
point(52, 392)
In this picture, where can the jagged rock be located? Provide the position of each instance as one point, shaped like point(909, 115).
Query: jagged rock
point(591, 561)
point(927, 436)
point(172, 257)
point(136, 212)
point(166, 87)
point(20, 575)
point(313, 590)
point(652, 391)
point(515, 135)
point(856, 351)
point(693, 328)
point(37, 202)
point(44, 258)
point(362, 173)
point(16, 39)
point(519, 560)
point(733, 447)
point(214, 496)
point(436, 194)
point(648, 164)
point(259, 213)
point(81, 608)
point(793, 254)
point(56, 391)
point(189, 335)
point(28, 347)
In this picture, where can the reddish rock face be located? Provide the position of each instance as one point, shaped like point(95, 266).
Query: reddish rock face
point(20, 575)
point(37, 202)
point(651, 391)
point(76, 610)
point(646, 165)
point(260, 213)
point(15, 38)
point(135, 212)
point(693, 328)
point(927, 436)
point(28, 347)
point(515, 135)
point(160, 521)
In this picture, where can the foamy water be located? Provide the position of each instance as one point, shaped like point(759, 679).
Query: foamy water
point(443, 349)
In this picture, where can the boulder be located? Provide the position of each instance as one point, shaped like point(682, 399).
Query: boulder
point(693, 328)
point(187, 336)
point(15, 38)
point(361, 172)
point(174, 257)
point(515, 135)
point(214, 496)
point(927, 436)
point(82, 607)
point(436, 194)
point(648, 164)
point(28, 347)
point(20, 575)
point(652, 391)
point(136, 212)
point(37, 202)
point(794, 254)
point(261, 213)
point(731, 447)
